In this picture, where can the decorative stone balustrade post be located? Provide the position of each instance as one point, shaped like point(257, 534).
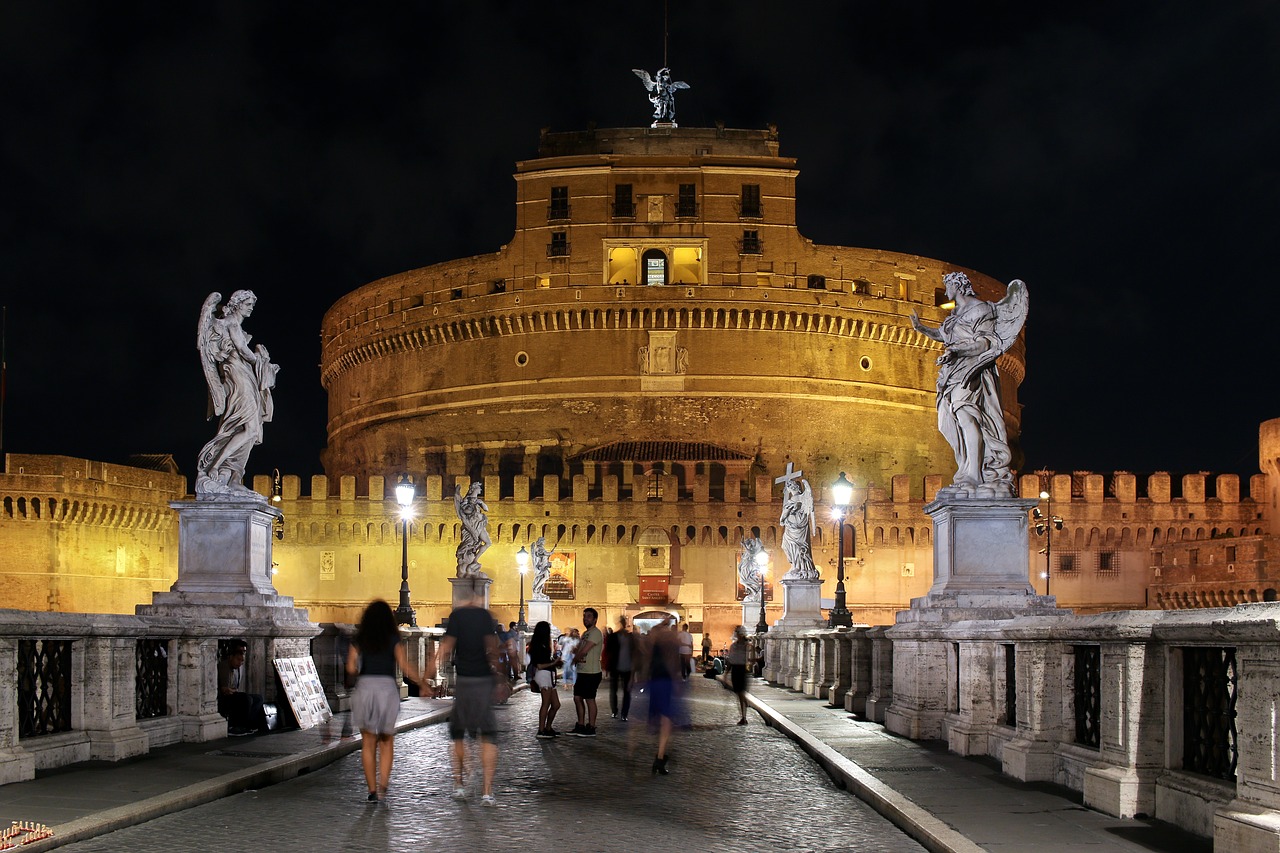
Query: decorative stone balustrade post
point(16, 764)
point(880, 696)
point(109, 698)
point(857, 670)
point(841, 643)
point(969, 722)
point(1252, 820)
point(196, 674)
point(1040, 724)
point(813, 677)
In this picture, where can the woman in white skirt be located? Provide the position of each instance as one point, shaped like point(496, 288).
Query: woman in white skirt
point(375, 654)
point(544, 666)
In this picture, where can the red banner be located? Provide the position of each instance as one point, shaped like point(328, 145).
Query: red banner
point(653, 590)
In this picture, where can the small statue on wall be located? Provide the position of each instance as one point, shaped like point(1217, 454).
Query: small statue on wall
point(240, 380)
point(750, 573)
point(474, 514)
point(662, 94)
point(970, 415)
point(541, 569)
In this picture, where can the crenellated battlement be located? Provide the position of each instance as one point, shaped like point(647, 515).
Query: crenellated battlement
point(68, 490)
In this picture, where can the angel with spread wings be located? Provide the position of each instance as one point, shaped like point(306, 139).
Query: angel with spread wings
point(662, 94)
point(240, 380)
point(798, 526)
point(970, 415)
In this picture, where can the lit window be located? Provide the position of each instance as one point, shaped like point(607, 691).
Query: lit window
point(655, 267)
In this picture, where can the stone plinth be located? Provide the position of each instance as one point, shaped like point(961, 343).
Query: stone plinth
point(465, 588)
point(980, 573)
point(224, 547)
point(540, 611)
point(979, 545)
point(801, 604)
point(751, 615)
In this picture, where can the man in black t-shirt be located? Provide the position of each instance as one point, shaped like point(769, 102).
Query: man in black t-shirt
point(471, 641)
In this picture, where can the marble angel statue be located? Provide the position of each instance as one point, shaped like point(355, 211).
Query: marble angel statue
point(749, 573)
point(970, 415)
point(541, 569)
point(474, 514)
point(662, 94)
point(240, 380)
point(798, 526)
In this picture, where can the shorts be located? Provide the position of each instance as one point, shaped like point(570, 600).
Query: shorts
point(473, 708)
point(586, 685)
point(738, 677)
point(542, 679)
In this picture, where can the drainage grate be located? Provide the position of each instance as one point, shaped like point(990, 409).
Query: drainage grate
point(921, 769)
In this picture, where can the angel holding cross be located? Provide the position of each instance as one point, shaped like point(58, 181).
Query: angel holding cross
point(798, 525)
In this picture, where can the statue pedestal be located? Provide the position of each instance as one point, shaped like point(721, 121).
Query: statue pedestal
point(751, 615)
point(980, 573)
point(465, 588)
point(801, 604)
point(539, 611)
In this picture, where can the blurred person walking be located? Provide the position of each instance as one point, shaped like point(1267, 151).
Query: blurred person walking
point(738, 651)
point(664, 667)
point(372, 658)
point(471, 641)
point(618, 649)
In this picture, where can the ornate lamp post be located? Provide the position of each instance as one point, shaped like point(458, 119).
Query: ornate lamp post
point(404, 497)
point(1045, 525)
point(522, 563)
point(762, 563)
point(842, 496)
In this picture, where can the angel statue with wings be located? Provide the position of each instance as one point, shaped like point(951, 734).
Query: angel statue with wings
point(749, 573)
point(797, 527)
point(240, 382)
point(970, 415)
point(541, 569)
point(662, 94)
point(473, 512)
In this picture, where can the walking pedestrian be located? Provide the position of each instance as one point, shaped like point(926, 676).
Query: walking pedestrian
point(738, 651)
point(569, 648)
point(544, 664)
point(587, 661)
point(664, 663)
point(686, 652)
point(618, 648)
point(472, 643)
point(373, 657)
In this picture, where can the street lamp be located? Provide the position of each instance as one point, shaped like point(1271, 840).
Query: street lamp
point(522, 563)
point(1045, 525)
point(404, 497)
point(762, 563)
point(842, 496)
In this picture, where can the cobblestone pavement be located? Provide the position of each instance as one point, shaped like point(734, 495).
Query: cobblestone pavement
point(731, 788)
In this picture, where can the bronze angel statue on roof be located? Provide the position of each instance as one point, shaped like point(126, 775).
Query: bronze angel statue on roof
point(662, 94)
point(240, 380)
point(970, 415)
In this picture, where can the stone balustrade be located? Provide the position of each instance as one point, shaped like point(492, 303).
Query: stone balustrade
point(1169, 714)
point(110, 687)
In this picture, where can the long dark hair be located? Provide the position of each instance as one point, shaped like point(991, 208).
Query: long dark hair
point(377, 629)
point(541, 639)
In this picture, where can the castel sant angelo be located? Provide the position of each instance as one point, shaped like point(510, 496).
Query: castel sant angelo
point(626, 378)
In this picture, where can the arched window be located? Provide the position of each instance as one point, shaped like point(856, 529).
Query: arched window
point(654, 266)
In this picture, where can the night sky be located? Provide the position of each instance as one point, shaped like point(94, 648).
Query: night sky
point(1121, 158)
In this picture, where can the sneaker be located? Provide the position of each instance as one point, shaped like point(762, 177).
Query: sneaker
point(488, 800)
point(238, 732)
point(624, 718)
point(373, 797)
point(544, 734)
point(552, 733)
point(459, 793)
point(577, 730)
point(587, 731)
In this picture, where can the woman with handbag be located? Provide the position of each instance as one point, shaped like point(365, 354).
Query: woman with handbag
point(544, 664)
point(374, 655)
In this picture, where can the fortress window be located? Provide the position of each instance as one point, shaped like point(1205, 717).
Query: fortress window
point(558, 210)
point(749, 204)
point(817, 282)
point(455, 293)
point(861, 286)
point(687, 202)
point(559, 245)
point(499, 285)
point(655, 267)
point(624, 206)
point(750, 242)
point(1108, 562)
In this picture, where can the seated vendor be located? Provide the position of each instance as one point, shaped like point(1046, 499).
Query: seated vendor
point(243, 710)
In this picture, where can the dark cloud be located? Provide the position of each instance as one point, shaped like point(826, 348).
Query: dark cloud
point(1117, 158)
